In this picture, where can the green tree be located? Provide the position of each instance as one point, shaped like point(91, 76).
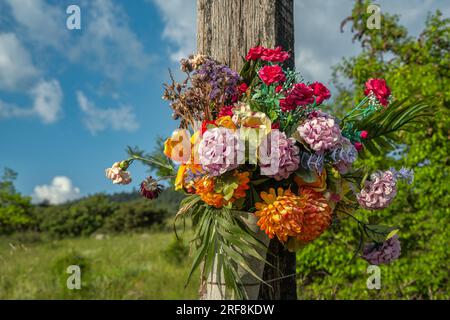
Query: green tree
point(15, 210)
point(414, 69)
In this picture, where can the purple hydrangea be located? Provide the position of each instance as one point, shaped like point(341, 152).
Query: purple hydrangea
point(344, 155)
point(223, 80)
point(282, 159)
point(379, 191)
point(321, 133)
point(383, 253)
point(218, 151)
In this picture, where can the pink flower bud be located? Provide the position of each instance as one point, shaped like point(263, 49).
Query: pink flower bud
point(359, 146)
point(364, 134)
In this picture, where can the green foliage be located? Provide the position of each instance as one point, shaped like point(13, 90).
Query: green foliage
point(223, 243)
point(15, 210)
point(135, 215)
point(177, 251)
point(416, 69)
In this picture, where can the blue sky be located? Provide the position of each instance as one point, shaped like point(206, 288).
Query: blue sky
point(72, 100)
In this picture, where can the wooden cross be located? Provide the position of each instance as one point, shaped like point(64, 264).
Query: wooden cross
point(226, 30)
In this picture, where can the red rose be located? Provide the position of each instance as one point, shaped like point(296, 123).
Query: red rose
point(255, 53)
point(206, 123)
point(243, 87)
point(300, 95)
point(275, 55)
point(364, 134)
point(320, 91)
point(272, 74)
point(226, 111)
point(380, 89)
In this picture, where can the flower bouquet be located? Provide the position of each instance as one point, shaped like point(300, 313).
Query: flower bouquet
point(259, 156)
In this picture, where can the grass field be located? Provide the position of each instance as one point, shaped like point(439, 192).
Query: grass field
point(135, 266)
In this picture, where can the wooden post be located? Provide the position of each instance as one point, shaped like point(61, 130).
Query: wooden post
point(226, 30)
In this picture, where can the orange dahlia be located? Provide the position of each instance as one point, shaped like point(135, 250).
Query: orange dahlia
point(221, 191)
point(284, 214)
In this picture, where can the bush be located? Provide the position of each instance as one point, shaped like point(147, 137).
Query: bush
point(176, 252)
point(135, 215)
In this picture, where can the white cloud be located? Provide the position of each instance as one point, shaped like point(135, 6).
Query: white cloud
point(60, 190)
point(180, 27)
point(99, 119)
point(43, 23)
point(47, 98)
point(16, 67)
point(106, 42)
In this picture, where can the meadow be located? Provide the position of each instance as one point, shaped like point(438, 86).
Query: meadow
point(129, 266)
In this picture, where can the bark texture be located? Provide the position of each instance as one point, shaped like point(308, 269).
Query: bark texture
point(226, 30)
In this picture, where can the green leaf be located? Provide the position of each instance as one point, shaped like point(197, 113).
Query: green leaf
point(379, 233)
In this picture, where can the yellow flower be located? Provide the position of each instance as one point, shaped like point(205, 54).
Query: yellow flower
point(226, 122)
point(179, 180)
point(177, 147)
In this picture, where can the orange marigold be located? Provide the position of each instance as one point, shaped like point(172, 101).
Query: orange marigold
point(285, 214)
point(206, 189)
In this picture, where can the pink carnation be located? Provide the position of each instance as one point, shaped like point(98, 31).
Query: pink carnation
point(117, 174)
point(320, 92)
point(321, 133)
point(299, 95)
point(272, 74)
point(379, 191)
point(379, 89)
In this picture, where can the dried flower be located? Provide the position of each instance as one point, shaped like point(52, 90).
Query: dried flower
point(379, 191)
point(150, 188)
point(384, 253)
point(118, 174)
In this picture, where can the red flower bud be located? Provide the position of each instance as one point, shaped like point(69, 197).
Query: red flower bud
point(359, 146)
point(364, 134)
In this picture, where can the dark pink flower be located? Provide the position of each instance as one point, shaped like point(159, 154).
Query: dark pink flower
point(275, 55)
point(300, 95)
point(364, 134)
point(255, 53)
point(320, 92)
point(278, 88)
point(380, 89)
point(272, 74)
point(226, 111)
point(359, 146)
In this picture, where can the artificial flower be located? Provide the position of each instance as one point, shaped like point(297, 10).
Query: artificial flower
point(150, 188)
point(379, 89)
point(271, 74)
point(383, 253)
point(299, 95)
point(118, 173)
point(283, 214)
point(274, 55)
point(379, 191)
point(320, 92)
point(320, 133)
point(282, 158)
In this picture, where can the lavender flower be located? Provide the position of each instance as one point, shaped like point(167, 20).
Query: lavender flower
point(218, 151)
point(222, 80)
point(383, 253)
point(344, 155)
point(404, 173)
point(321, 133)
point(283, 158)
point(379, 192)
